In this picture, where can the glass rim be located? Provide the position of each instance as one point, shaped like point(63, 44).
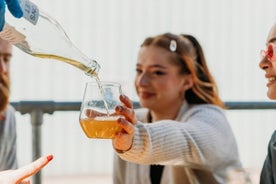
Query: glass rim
point(104, 83)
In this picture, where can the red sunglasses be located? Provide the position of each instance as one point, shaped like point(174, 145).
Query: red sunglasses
point(270, 53)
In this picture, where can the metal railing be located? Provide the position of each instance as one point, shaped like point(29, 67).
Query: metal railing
point(37, 109)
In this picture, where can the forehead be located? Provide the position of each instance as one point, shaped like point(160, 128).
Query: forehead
point(152, 55)
point(272, 34)
point(5, 47)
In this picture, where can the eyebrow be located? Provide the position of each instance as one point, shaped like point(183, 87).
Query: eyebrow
point(154, 66)
point(5, 55)
point(272, 40)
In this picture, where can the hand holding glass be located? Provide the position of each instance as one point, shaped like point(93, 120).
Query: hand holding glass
point(97, 116)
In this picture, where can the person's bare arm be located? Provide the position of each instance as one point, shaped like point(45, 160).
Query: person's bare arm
point(22, 174)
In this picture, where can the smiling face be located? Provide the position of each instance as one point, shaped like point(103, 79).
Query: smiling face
point(270, 66)
point(158, 81)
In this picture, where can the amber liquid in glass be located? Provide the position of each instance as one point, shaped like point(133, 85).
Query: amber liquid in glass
point(100, 127)
point(104, 127)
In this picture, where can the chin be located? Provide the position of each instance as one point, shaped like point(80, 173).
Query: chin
point(145, 104)
point(271, 95)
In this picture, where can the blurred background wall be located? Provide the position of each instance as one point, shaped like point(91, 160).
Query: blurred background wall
point(231, 33)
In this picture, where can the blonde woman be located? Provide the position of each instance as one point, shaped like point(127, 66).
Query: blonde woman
point(181, 134)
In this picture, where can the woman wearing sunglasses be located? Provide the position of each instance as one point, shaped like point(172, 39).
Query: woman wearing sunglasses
point(268, 64)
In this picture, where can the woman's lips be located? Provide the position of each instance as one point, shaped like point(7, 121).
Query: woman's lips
point(145, 94)
point(271, 80)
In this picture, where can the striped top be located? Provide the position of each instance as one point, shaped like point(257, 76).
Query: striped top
point(197, 147)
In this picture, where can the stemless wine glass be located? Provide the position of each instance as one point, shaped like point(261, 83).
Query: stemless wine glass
point(97, 114)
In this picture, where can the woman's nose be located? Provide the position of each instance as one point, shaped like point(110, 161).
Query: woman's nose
point(3, 66)
point(264, 63)
point(143, 79)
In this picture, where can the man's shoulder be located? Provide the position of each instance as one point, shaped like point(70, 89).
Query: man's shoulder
point(10, 114)
point(10, 110)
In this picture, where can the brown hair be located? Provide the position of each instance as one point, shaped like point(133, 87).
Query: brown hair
point(189, 56)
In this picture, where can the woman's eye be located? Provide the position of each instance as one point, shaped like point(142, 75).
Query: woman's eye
point(138, 71)
point(7, 59)
point(159, 73)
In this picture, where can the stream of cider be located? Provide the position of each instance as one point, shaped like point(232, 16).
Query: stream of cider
point(104, 127)
point(89, 71)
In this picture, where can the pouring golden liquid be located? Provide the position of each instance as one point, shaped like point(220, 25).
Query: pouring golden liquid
point(99, 127)
point(31, 36)
point(89, 71)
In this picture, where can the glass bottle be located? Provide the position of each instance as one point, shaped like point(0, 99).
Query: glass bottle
point(42, 36)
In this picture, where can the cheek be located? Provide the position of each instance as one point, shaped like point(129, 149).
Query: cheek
point(273, 65)
point(136, 84)
point(166, 86)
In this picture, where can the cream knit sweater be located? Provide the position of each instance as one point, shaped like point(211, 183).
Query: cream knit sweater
point(197, 147)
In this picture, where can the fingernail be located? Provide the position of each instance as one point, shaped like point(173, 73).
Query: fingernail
point(120, 120)
point(119, 108)
point(50, 157)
